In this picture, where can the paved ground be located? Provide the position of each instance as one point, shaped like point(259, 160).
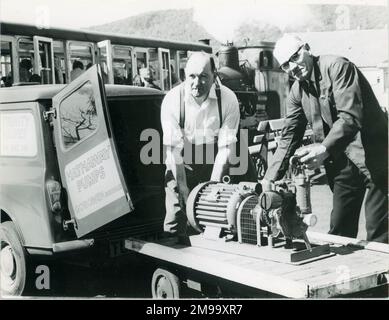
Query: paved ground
point(321, 197)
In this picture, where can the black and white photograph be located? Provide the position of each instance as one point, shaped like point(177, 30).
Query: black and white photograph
point(206, 152)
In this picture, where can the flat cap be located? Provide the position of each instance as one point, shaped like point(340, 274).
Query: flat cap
point(287, 46)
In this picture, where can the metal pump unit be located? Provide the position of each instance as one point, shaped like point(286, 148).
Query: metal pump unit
point(245, 213)
point(212, 207)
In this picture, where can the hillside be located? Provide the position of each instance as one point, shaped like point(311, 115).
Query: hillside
point(168, 24)
point(179, 24)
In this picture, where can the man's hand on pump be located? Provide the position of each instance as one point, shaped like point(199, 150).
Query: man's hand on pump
point(312, 156)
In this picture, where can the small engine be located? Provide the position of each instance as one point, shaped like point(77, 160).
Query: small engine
point(245, 213)
point(213, 207)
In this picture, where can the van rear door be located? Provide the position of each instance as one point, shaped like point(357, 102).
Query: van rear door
point(90, 172)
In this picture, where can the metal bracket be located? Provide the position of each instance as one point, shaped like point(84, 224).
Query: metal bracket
point(65, 224)
point(212, 233)
point(52, 112)
point(383, 278)
point(193, 285)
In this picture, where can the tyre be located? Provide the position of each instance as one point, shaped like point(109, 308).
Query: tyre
point(165, 285)
point(13, 261)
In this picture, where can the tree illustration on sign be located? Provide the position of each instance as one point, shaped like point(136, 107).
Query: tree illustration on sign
point(78, 116)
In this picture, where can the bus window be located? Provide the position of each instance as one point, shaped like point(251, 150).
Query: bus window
point(105, 60)
point(122, 64)
point(182, 59)
point(122, 52)
point(122, 71)
point(44, 65)
point(59, 61)
point(164, 56)
point(154, 67)
point(82, 52)
point(174, 66)
point(26, 59)
point(6, 63)
point(142, 60)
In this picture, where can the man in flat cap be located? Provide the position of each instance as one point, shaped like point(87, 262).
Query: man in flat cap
point(350, 135)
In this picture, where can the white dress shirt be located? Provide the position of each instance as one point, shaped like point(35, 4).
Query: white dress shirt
point(202, 124)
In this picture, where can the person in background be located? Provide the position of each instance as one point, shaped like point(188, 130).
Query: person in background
point(146, 77)
point(78, 69)
point(36, 78)
point(7, 81)
point(59, 75)
point(25, 73)
point(350, 134)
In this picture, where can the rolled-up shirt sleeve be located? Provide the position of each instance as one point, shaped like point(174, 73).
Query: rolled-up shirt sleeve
point(172, 133)
point(231, 117)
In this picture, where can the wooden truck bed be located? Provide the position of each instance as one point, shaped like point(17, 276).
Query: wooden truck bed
point(353, 266)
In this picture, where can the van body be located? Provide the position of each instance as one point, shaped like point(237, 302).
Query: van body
point(71, 173)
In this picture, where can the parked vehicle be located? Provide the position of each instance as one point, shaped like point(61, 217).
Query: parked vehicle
point(70, 165)
point(47, 56)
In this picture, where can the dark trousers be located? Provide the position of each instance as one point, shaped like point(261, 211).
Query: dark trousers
point(197, 171)
point(175, 218)
point(349, 186)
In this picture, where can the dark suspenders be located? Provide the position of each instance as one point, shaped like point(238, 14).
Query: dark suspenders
point(182, 104)
point(219, 103)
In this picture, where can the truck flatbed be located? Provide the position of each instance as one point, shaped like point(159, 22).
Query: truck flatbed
point(353, 265)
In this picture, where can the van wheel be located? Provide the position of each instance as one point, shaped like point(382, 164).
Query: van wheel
point(165, 285)
point(13, 268)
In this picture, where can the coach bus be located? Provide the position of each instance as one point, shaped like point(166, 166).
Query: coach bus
point(47, 55)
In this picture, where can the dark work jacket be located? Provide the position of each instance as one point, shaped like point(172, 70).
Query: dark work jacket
point(357, 125)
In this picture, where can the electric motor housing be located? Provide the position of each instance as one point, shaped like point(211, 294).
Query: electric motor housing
point(212, 204)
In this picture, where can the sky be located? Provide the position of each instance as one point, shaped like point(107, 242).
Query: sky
point(218, 17)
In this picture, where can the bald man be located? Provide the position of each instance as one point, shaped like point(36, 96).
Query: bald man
point(350, 133)
point(200, 120)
